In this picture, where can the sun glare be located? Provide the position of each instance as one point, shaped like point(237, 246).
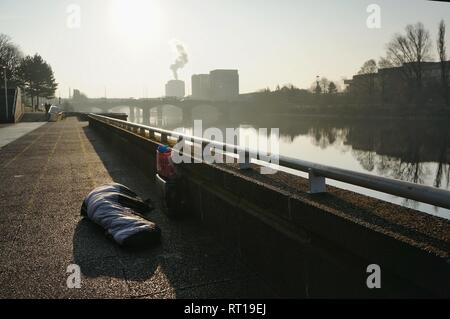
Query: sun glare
point(135, 18)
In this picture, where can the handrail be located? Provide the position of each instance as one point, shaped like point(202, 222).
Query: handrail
point(317, 172)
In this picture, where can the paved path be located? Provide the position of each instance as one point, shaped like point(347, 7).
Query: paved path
point(44, 177)
point(11, 132)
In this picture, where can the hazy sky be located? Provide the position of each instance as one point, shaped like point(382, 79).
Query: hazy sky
point(123, 45)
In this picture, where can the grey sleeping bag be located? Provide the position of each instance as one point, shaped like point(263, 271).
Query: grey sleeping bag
point(118, 210)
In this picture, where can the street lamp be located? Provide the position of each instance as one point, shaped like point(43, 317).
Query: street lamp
point(317, 83)
point(6, 93)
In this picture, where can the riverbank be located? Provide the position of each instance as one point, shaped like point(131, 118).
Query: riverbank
point(359, 116)
point(358, 112)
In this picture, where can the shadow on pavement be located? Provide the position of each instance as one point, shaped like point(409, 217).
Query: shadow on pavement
point(99, 256)
point(189, 262)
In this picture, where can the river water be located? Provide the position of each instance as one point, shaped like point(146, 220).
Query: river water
point(416, 151)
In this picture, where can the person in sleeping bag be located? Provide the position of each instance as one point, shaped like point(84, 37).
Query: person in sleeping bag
point(119, 211)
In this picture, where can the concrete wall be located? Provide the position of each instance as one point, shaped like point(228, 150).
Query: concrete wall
point(19, 107)
point(84, 116)
point(303, 245)
point(15, 106)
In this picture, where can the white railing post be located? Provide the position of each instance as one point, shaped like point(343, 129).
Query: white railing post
point(317, 183)
point(163, 138)
point(244, 160)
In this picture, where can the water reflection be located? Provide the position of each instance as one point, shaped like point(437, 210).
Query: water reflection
point(410, 150)
point(389, 148)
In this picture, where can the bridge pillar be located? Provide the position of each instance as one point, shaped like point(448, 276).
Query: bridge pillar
point(146, 115)
point(132, 114)
point(159, 117)
point(186, 114)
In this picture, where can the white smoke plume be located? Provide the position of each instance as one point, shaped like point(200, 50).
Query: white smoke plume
point(181, 60)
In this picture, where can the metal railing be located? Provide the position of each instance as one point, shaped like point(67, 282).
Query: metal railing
point(317, 173)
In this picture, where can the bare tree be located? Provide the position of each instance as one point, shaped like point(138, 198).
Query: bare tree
point(445, 66)
point(410, 51)
point(384, 63)
point(10, 57)
point(369, 67)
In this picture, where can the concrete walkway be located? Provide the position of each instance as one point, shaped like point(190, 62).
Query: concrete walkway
point(11, 132)
point(44, 176)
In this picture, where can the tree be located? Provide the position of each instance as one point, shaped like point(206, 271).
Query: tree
point(445, 66)
point(324, 82)
point(320, 85)
point(265, 90)
point(384, 63)
point(79, 96)
point(10, 57)
point(368, 70)
point(410, 51)
point(369, 67)
point(317, 89)
point(332, 88)
point(37, 78)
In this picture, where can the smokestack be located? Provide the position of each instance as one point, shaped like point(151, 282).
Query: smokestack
point(181, 60)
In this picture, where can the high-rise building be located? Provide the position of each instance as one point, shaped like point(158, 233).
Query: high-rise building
point(201, 87)
point(224, 84)
point(175, 88)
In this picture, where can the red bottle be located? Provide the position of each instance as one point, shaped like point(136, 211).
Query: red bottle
point(164, 165)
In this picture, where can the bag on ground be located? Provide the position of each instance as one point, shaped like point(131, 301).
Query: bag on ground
point(119, 211)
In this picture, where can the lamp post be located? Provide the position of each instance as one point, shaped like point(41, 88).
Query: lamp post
point(317, 83)
point(6, 93)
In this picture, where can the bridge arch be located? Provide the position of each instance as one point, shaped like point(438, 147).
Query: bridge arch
point(205, 112)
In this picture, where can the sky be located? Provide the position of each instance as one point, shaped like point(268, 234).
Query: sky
point(124, 48)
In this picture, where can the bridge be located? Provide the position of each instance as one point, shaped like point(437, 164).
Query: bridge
point(245, 235)
point(186, 106)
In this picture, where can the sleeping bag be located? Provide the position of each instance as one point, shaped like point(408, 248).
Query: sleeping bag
point(119, 211)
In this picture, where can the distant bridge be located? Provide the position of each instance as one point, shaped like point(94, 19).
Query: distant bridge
point(186, 106)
